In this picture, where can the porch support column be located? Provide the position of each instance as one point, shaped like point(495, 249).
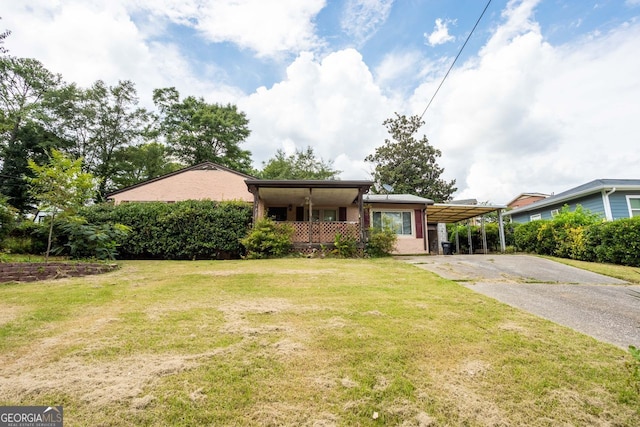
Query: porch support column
point(503, 245)
point(256, 201)
point(361, 214)
point(310, 217)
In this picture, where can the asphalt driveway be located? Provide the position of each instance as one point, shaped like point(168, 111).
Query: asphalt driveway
point(605, 308)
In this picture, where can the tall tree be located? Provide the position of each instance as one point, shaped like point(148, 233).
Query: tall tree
point(407, 164)
point(60, 187)
point(99, 122)
point(141, 163)
point(303, 164)
point(26, 90)
point(196, 131)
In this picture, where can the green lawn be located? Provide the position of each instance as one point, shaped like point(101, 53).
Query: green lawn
point(298, 342)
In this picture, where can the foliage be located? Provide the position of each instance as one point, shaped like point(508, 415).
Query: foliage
point(581, 235)
point(492, 233)
point(407, 164)
point(84, 240)
point(634, 368)
point(139, 163)
point(26, 93)
point(268, 239)
point(345, 246)
point(381, 241)
point(184, 230)
point(27, 238)
point(100, 122)
point(7, 218)
point(616, 242)
point(197, 131)
point(301, 165)
point(60, 187)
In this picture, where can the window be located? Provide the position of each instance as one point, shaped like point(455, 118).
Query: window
point(400, 221)
point(324, 215)
point(634, 206)
point(554, 212)
point(535, 217)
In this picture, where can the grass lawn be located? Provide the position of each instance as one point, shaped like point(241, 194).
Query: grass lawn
point(298, 342)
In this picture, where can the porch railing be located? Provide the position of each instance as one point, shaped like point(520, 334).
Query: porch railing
point(323, 231)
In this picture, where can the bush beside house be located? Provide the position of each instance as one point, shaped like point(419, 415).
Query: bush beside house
point(582, 236)
point(190, 229)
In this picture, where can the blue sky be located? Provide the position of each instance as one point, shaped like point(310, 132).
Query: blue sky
point(544, 97)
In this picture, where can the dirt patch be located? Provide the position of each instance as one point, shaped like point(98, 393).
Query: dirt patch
point(30, 272)
point(95, 383)
point(9, 313)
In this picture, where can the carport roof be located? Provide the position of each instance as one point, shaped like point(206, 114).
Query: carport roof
point(450, 212)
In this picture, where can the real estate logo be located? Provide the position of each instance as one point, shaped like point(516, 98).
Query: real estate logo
point(31, 416)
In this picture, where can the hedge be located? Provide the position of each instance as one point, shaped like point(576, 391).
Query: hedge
point(184, 230)
point(581, 236)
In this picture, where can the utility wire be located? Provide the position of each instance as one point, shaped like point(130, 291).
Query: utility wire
point(455, 59)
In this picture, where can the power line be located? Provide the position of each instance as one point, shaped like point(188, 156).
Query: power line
point(455, 59)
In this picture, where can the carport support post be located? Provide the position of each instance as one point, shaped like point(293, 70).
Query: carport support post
point(484, 235)
point(469, 237)
point(503, 245)
point(457, 239)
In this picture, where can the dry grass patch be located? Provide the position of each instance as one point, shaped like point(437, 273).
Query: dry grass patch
point(298, 342)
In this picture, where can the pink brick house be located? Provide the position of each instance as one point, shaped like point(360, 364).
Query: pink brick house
point(203, 181)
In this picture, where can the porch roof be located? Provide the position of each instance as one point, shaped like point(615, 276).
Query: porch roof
point(299, 192)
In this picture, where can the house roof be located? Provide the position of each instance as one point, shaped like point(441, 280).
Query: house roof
point(200, 166)
point(591, 187)
point(300, 192)
point(526, 195)
point(396, 198)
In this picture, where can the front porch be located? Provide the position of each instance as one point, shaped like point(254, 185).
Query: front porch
point(316, 232)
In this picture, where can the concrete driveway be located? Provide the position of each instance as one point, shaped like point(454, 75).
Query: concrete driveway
point(605, 308)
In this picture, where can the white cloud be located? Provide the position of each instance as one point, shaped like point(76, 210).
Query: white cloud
point(528, 116)
point(362, 18)
point(87, 41)
point(268, 28)
point(440, 34)
point(332, 105)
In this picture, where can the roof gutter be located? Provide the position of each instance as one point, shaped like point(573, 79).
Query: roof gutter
point(607, 205)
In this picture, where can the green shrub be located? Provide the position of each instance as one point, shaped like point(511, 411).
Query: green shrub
point(27, 237)
point(381, 242)
point(615, 242)
point(268, 239)
point(84, 240)
point(345, 246)
point(193, 229)
point(7, 219)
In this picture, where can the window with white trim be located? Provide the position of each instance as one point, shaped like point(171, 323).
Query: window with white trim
point(634, 206)
point(322, 215)
point(554, 212)
point(535, 217)
point(399, 221)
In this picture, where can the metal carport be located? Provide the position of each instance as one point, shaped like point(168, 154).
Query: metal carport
point(451, 213)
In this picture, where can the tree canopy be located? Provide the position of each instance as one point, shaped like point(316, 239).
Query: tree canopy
point(196, 131)
point(407, 164)
point(303, 164)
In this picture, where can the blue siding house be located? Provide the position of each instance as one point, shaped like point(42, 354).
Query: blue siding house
point(610, 198)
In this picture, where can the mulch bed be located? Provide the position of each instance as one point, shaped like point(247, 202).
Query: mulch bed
point(32, 271)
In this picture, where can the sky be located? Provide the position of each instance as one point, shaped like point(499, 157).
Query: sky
point(545, 95)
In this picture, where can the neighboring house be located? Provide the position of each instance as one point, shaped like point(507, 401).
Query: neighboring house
point(525, 199)
point(203, 181)
point(610, 198)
